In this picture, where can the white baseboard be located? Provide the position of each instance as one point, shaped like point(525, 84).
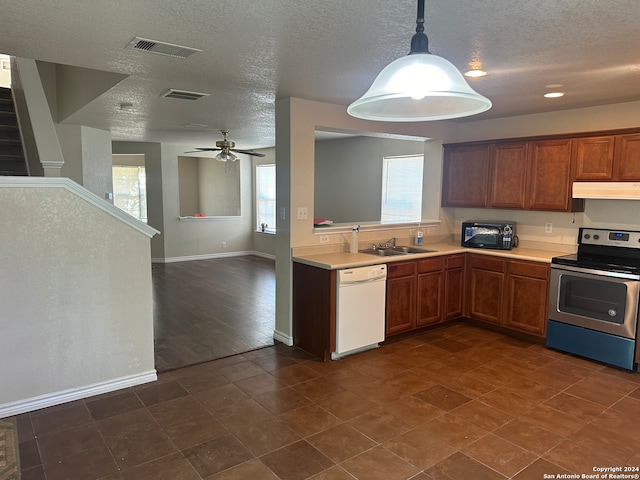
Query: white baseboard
point(281, 337)
point(208, 256)
point(57, 398)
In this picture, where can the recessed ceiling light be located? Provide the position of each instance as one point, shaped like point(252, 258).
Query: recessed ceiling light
point(554, 95)
point(475, 69)
point(475, 73)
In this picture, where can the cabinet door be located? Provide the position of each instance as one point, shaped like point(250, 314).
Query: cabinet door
point(628, 157)
point(453, 287)
point(430, 295)
point(508, 175)
point(401, 297)
point(593, 158)
point(550, 175)
point(465, 177)
point(527, 288)
point(400, 305)
point(486, 287)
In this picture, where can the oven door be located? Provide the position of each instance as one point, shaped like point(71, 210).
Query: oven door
point(595, 299)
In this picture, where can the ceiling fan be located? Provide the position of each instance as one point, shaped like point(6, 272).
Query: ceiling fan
point(226, 149)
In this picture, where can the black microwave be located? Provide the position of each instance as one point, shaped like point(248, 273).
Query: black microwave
point(498, 235)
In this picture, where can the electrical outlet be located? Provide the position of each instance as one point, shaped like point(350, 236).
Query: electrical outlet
point(548, 227)
point(303, 213)
point(324, 238)
point(223, 244)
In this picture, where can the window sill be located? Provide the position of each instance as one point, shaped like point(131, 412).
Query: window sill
point(347, 227)
point(266, 232)
point(188, 219)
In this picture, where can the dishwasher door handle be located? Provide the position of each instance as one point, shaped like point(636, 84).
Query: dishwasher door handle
point(362, 282)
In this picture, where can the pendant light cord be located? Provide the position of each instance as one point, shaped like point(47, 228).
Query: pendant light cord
point(419, 41)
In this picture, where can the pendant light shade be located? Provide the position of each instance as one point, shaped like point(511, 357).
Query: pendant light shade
point(419, 87)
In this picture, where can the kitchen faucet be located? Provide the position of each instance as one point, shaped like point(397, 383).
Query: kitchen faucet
point(391, 243)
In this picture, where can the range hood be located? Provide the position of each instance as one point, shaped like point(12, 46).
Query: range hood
point(607, 190)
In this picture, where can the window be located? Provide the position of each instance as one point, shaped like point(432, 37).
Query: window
point(266, 198)
point(130, 191)
point(402, 189)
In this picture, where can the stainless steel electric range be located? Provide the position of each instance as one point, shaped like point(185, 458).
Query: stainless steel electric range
point(594, 296)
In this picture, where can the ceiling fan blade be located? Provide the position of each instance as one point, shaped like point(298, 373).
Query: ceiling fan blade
point(248, 152)
point(210, 149)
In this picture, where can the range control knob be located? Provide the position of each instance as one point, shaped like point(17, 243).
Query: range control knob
point(587, 236)
point(596, 236)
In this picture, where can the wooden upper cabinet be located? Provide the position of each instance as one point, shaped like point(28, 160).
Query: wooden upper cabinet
point(593, 158)
point(627, 158)
point(465, 179)
point(550, 175)
point(509, 167)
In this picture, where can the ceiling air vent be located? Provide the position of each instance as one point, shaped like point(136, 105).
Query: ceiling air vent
point(161, 48)
point(183, 94)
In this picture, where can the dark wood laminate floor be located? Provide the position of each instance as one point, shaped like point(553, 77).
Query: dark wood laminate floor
point(209, 309)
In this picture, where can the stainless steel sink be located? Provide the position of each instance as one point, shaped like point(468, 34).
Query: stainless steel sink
point(395, 251)
point(413, 249)
point(386, 252)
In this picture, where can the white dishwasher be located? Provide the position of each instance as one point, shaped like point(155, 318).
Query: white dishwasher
point(360, 309)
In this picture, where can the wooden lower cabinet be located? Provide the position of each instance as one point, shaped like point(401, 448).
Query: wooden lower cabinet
point(401, 297)
point(526, 306)
point(509, 293)
point(453, 286)
point(486, 287)
point(424, 292)
point(314, 309)
point(430, 290)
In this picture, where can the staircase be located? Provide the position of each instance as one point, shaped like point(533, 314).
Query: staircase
point(12, 161)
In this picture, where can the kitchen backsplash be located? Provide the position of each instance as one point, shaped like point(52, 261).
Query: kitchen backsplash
point(552, 231)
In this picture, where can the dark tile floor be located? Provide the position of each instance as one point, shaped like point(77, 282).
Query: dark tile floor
point(456, 403)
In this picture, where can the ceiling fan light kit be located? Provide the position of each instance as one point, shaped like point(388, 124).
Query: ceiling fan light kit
point(227, 149)
point(419, 87)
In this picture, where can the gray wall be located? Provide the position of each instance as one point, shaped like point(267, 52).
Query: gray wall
point(348, 176)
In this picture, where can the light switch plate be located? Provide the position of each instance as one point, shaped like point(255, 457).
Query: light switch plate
point(303, 213)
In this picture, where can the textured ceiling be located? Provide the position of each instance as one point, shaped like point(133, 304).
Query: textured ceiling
point(330, 51)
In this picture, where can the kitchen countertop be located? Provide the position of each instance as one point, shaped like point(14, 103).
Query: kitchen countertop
point(339, 260)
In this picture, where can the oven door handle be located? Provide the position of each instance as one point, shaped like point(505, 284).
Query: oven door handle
point(591, 271)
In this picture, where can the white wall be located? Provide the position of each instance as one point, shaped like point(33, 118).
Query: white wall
point(191, 239)
point(87, 157)
point(348, 176)
point(76, 311)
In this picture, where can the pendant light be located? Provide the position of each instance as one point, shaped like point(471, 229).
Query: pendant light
point(419, 87)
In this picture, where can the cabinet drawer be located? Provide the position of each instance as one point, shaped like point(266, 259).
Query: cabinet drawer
point(401, 269)
point(454, 261)
point(434, 264)
point(483, 262)
point(529, 269)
